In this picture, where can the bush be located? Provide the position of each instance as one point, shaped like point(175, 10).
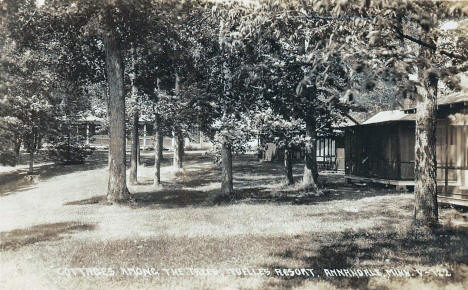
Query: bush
point(72, 151)
point(8, 158)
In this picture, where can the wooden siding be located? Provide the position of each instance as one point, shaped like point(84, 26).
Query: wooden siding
point(407, 143)
point(373, 151)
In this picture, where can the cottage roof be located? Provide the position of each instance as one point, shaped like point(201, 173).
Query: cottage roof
point(408, 115)
point(453, 98)
point(91, 119)
point(457, 97)
point(389, 116)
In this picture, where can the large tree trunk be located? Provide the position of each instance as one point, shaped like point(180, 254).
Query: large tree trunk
point(309, 180)
point(135, 149)
point(117, 186)
point(178, 150)
point(158, 151)
point(425, 167)
point(288, 166)
point(226, 174)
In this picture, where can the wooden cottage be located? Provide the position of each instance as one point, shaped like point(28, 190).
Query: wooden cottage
point(381, 150)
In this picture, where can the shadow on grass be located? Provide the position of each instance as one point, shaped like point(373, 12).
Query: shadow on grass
point(377, 248)
point(165, 198)
point(175, 197)
point(250, 175)
point(172, 198)
point(292, 194)
point(251, 180)
point(15, 239)
point(148, 159)
point(196, 178)
point(178, 195)
point(92, 200)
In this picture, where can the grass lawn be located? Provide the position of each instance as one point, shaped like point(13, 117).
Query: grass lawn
point(58, 233)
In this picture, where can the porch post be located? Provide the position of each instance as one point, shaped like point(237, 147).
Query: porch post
point(463, 157)
point(465, 148)
point(446, 158)
point(460, 143)
point(398, 151)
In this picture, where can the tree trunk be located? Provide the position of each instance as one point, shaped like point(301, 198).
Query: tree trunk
point(135, 149)
point(226, 162)
point(288, 166)
point(425, 163)
point(158, 151)
point(31, 162)
point(68, 144)
point(138, 153)
point(108, 125)
point(425, 167)
point(38, 142)
point(310, 177)
point(117, 186)
point(178, 150)
point(260, 149)
point(136, 117)
point(17, 151)
point(32, 148)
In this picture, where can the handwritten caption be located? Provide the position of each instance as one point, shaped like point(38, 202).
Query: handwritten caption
point(275, 272)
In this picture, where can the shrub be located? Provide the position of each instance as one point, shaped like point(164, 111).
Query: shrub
point(8, 158)
point(71, 150)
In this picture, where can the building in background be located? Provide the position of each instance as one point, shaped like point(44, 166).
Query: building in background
point(382, 149)
point(94, 130)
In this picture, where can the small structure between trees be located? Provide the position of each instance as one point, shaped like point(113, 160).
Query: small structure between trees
point(329, 152)
point(381, 150)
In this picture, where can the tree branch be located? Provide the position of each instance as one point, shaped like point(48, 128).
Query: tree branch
point(453, 70)
point(351, 118)
point(453, 55)
point(428, 45)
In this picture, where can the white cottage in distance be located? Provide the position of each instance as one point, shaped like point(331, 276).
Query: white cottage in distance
point(93, 129)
